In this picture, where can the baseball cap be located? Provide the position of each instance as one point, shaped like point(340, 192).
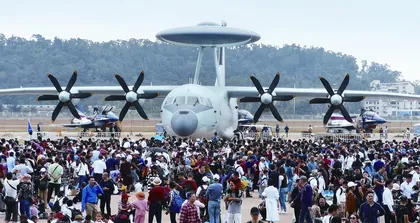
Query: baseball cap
point(216, 177)
point(255, 211)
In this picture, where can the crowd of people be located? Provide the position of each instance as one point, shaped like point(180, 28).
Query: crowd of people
point(73, 180)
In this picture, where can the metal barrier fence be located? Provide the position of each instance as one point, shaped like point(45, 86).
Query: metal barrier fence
point(61, 134)
point(343, 137)
point(243, 135)
point(256, 135)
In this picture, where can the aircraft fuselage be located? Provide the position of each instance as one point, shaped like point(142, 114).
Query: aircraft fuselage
point(197, 111)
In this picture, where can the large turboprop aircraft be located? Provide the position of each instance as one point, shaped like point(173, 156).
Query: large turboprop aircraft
point(192, 110)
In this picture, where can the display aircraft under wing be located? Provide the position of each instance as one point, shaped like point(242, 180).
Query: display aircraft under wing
point(102, 120)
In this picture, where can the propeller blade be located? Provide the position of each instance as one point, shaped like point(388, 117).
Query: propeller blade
point(275, 112)
point(124, 111)
point(139, 81)
point(47, 97)
point(55, 83)
point(73, 110)
point(259, 113)
point(327, 116)
point(353, 98)
point(257, 84)
point(327, 86)
point(140, 110)
point(344, 84)
point(71, 81)
point(345, 114)
point(283, 97)
point(319, 101)
point(81, 95)
point(147, 95)
point(115, 98)
point(122, 83)
point(57, 110)
point(250, 99)
point(274, 83)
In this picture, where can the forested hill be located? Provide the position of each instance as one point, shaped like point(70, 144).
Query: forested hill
point(26, 62)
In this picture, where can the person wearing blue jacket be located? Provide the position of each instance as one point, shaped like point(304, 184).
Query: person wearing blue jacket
point(306, 199)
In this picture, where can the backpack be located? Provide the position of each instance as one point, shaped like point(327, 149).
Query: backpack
point(203, 199)
point(43, 184)
point(176, 203)
point(188, 187)
point(74, 213)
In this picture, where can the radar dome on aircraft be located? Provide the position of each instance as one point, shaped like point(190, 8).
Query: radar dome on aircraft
point(207, 24)
point(208, 34)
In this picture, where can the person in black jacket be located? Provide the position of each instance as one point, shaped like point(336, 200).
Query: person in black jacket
point(274, 176)
point(108, 187)
point(295, 201)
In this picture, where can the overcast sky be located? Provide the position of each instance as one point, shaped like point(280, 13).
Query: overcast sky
point(384, 31)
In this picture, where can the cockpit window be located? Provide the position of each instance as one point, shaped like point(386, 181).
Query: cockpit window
point(191, 100)
point(179, 100)
point(208, 101)
point(169, 100)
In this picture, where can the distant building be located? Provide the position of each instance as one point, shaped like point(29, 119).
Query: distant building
point(392, 107)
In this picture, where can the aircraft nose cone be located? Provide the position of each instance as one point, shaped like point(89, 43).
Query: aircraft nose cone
point(381, 120)
point(184, 123)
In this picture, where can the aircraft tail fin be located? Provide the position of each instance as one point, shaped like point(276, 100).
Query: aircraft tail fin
point(80, 111)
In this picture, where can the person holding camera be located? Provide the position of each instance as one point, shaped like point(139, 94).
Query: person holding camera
point(90, 197)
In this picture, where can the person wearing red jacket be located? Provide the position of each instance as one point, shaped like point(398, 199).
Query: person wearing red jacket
point(236, 180)
point(189, 184)
point(155, 200)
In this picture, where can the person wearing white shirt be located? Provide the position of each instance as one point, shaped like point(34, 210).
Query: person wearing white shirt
point(143, 144)
point(238, 168)
point(348, 162)
point(407, 186)
point(82, 171)
point(99, 166)
point(341, 196)
point(10, 187)
point(10, 162)
point(262, 165)
point(321, 186)
point(21, 169)
point(272, 196)
point(317, 181)
point(388, 201)
point(416, 178)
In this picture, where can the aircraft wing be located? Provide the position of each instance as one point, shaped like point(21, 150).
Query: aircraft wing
point(73, 125)
point(239, 92)
point(95, 90)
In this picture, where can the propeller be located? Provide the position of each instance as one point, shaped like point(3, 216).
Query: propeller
point(336, 99)
point(64, 97)
point(266, 98)
point(131, 96)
